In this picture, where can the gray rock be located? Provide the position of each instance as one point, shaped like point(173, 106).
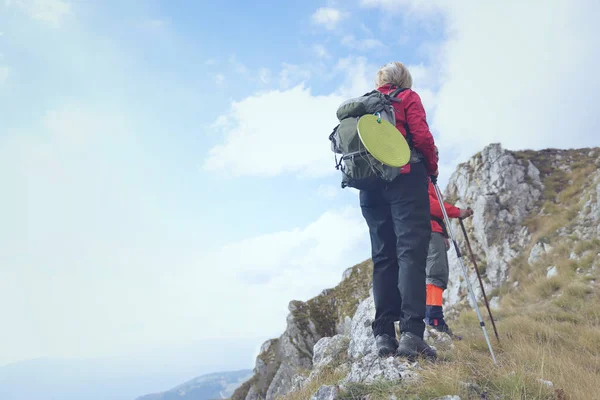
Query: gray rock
point(347, 273)
point(329, 349)
point(551, 272)
point(252, 394)
point(344, 327)
point(280, 361)
point(588, 219)
point(495, 303)
point(435, 338)
point(362, 341)
point(447, 398)
point(490, 182)
point(371, 368)
point(471, 387)
point(298, 382)
point(537, 251)
point(325, 393)
point(546, 383)
point(282, 382)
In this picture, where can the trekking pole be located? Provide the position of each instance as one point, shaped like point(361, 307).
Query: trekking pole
point(479, 277)
point(464, 270)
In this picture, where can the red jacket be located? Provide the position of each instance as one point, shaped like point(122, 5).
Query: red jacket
point(436, 210)
point(410, 111)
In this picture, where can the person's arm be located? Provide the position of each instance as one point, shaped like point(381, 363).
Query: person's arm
point(436, 210)
point(421, 136)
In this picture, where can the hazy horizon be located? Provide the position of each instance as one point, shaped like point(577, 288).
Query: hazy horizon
point(118, 378)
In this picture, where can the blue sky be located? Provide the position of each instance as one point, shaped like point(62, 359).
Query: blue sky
point(156, 195)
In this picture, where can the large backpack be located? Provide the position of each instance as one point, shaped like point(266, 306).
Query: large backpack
point(359, 168)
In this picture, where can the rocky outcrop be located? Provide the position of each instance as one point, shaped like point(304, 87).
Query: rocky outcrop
point(281, 361)
point(502, 190)
point(506, 189)
point(354, 356)
point(587, 225)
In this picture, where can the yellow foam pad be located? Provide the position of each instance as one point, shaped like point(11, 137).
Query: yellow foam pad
point(383, 140)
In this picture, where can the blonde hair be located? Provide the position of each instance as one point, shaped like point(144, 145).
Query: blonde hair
point(394, 73)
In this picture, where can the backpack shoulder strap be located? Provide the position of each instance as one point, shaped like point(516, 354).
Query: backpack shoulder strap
point(393, 97)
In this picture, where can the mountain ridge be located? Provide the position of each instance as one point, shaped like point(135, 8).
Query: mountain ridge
point(213, 386)
point(523, 201)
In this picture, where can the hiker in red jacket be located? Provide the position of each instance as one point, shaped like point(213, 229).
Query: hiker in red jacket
point(399, 225)
point(437, 260)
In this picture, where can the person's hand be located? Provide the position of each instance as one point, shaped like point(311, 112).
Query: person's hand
point(465, 213)
point(434, 177)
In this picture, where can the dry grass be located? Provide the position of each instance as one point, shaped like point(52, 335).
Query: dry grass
point(552, 336)
point(327, 377)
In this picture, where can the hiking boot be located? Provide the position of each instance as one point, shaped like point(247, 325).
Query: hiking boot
point(412, 346)
point(386, 345)
point(446, 329)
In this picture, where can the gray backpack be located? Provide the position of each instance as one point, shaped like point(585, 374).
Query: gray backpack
point(359, 168)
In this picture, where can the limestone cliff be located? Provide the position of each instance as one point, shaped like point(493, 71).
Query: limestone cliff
point(507, 190)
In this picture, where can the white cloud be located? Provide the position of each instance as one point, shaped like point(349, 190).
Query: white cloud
point(237, 66)
point(4, 72)
point(76, 125)
point(405, 6)
point(88, 214)
point(275, 132)
point(328, 191)
point(328, 17)
point(210, 61)
point(320, 51)
point(291, 75)
point(361, 44)
point(425, 83)
point(286, 131)
point(272, 269)
point(219, 79)
point(534, 85)
point(53, 12)
point(86, 228)
point(71, 203)
point(365, 29)
point(264, 74)
point(358, 78)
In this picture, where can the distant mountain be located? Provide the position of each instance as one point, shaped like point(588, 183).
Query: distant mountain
point(206, 387)
point(124, 377)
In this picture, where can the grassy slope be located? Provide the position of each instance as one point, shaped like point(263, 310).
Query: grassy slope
point(549, 328)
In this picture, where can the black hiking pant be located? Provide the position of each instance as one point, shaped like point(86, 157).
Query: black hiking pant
point(400, 228)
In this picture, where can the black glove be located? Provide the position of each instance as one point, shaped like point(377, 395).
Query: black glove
point(433, 179)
